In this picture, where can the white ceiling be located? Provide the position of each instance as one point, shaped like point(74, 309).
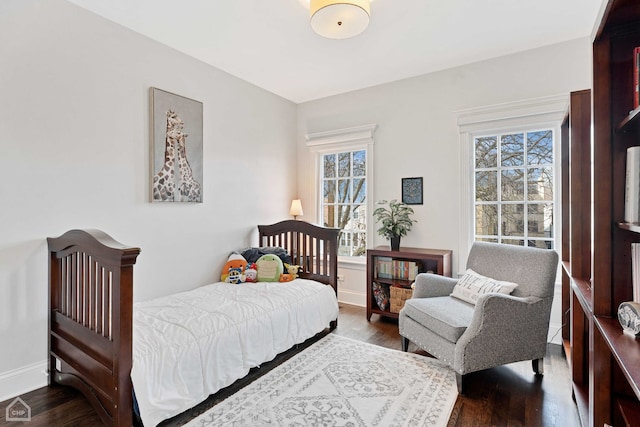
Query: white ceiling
point(270, 42)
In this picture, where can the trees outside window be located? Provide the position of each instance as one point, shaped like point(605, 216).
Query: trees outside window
point(513, 185)
point(344, 189)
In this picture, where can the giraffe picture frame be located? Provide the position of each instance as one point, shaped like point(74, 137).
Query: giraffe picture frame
point(176, 147)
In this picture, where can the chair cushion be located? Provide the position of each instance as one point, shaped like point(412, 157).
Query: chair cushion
point(446, 316)
point(472, 285)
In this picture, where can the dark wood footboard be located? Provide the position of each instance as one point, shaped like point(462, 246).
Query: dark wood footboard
point(90, 320)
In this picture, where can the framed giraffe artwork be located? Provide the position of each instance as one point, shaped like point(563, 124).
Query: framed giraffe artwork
point(176, 148)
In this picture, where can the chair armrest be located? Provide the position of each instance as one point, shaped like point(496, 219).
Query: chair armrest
point(429, 285)
point(504, 328)
point(499, 311)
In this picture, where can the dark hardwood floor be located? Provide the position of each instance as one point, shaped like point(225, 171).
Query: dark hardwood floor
point(505, 396)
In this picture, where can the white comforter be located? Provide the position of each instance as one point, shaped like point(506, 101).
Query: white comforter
point(189, 345)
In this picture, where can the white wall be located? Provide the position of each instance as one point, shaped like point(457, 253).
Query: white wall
point(75, 153)
point(417, 134)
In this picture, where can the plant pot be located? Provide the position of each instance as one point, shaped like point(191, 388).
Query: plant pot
point(395, 243)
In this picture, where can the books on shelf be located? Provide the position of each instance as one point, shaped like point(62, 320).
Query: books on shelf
point(383, 267)
point(389, 268)
point(632, 186)
point(636, 77)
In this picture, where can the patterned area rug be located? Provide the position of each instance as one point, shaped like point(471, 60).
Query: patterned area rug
point(341, 382)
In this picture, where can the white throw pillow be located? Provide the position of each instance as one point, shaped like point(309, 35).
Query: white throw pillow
point(472, 285)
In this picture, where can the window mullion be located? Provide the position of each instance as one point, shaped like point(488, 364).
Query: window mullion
point(525, 180)
point(499, 185)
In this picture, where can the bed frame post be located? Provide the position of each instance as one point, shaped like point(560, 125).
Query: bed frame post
point(123, 348)
point(54, 303)
point(333, 268)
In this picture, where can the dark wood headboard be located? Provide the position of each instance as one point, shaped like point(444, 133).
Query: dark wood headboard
point(313, 248)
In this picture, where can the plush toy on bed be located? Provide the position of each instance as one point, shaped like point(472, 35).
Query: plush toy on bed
point(291, 274)
point(285, 277)
point(251, 273)
point(235, 262)
point(235, 276)
point(269, 268)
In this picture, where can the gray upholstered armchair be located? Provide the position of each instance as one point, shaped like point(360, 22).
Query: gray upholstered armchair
point(499, 328)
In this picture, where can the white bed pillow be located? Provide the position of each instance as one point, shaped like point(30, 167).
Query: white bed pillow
point(472, 285)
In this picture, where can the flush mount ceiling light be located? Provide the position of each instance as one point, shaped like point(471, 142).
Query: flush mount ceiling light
point(339, 19)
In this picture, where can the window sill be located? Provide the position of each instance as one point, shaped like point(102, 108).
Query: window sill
point(352, 262)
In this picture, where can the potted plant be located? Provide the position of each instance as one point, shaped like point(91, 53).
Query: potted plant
point(395, 219)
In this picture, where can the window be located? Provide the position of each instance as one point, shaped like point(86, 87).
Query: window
point(343, 159)
point(344, 189)
point(509, 173)
point(514, 181)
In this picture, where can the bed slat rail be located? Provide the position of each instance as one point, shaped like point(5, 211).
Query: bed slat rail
point(90, 320)
point(86, 292)
point(65, 329)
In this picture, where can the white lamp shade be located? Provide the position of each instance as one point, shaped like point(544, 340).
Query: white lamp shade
point(296, 208)
point(339, 19)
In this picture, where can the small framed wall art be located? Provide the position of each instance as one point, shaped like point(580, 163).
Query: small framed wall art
point(412, 191)
point(176, 148)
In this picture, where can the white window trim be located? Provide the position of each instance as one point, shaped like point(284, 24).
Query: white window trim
point(349, 139)
point(547, 112)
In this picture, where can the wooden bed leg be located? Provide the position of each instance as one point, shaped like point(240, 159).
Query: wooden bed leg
point(52, 370)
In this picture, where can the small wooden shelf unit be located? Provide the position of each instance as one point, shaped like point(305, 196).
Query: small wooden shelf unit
point(437, 261)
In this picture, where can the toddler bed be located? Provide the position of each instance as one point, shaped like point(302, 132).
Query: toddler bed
point(181, 348)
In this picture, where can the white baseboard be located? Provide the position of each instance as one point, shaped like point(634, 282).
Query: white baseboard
point(555, 325)
point(23, 380)
point(555, 334)
point(352, 298)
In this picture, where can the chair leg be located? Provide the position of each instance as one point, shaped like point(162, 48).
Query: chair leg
point(405, 343)
point(461, 383)
point(538, 366)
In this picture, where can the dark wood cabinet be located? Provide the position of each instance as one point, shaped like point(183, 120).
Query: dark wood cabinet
point(605, 363)
point(387, 269)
